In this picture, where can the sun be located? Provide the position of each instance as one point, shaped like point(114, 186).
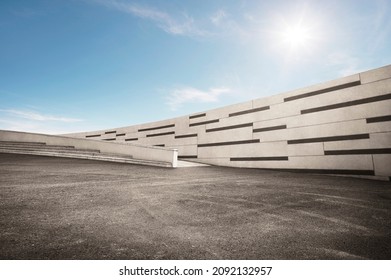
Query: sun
point(296, 37)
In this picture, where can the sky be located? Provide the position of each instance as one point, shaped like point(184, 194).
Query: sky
point(83, 65)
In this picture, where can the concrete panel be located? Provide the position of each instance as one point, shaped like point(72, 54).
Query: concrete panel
point(224, 122)
point(225, 111)
point(343, 114)
point(185, 141)
point(380, 140)
point(379, 127)
point(120, 135)
point(347, 145)
point(130, 129)
point(382, 165)
point(307, 149)
point(166, 139)
point(246, 118)
point(351, 162)
point(246, 150)
point(192, 130)
point(185, 150)
point(283, 110)
point(376, 140)
point(354, 162)
point(127, 129)
point(201, 116)
point(271, 123)
point(182, 125)
point(268, 101)
point(222, 112)
point(244, 133)
point(156, 131)
point(323, 86)
point(375, 75)
point(134, 134)
point(324, 130)
point(293, 117)
point(344, 95)
point(156, 124)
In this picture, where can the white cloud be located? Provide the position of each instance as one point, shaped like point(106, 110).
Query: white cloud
point(32, 121)
point(185, 26)
point(181, 24)
point(218, 17)
point(42, 127)
point(180, 96)
point(34, 116)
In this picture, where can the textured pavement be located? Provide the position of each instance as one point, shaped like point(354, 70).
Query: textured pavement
point(57, 208)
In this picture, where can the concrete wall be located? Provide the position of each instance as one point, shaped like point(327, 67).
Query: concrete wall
point(338, 127)
point(136, 151)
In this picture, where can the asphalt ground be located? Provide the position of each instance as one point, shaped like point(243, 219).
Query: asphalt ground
point(58, 208)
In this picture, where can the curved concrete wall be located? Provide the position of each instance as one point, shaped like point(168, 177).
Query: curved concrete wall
point(338, 127)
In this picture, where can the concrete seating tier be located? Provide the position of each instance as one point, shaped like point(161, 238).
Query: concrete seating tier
point(42, 149)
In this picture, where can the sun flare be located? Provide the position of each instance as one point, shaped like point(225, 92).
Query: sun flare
point(296, 37)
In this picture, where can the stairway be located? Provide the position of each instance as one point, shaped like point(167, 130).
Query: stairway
point(42, 149)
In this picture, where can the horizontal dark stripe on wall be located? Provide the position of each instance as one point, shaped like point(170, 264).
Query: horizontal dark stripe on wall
point(157, 127)
point(229, 143)
point(348, 103)
point(330, 138)
point(131, 139)
point(197, 116)
point(258, 158)
point(229, 127)
point(109, 132)
point(321, 91)
point(324, 171)
point(159, 145)
point(379, 119)
point(95, 135)
point(185, 157)
point(186, 135)
point(109, 139)
point(359, 152)
point(205, 122)
point(161, 134)
point(269, 128)
point(121, 134)
point(249, 111)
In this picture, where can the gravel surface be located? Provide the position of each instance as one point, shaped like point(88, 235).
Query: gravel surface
point(58, 208)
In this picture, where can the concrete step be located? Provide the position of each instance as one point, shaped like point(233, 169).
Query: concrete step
point(91, 156)
point(46, 151)
point(47, 148)
point(15, 143)
point(61, 149)
point(116, 155)
point(132, 161)
point(35, 146)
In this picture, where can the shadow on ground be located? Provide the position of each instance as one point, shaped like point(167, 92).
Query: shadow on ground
point(53, 208)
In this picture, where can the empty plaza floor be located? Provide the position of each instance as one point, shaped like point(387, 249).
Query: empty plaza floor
point(58, 208)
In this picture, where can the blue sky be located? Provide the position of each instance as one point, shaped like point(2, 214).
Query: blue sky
point(79, 65)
